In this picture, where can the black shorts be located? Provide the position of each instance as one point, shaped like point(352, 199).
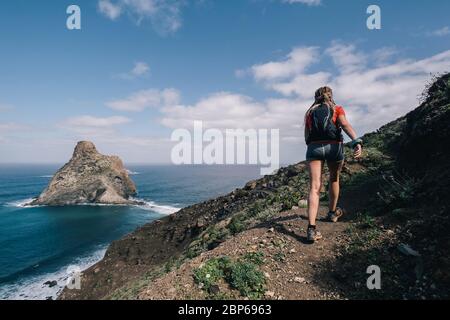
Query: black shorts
point(333, 152)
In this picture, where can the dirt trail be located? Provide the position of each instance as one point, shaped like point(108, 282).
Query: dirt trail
point(290, 262)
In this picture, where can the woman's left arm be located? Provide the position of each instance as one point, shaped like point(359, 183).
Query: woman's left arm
point(343, 122)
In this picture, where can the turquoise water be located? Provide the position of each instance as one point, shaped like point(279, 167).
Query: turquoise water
point(38, 244)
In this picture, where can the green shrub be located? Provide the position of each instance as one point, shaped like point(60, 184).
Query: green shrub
point(208, 240)
point(237, 224)
point(211, 272)
point(255, 257)
point(243, 275)
point(255, 209)
point(398, 191)
point(366, 221)
point(279, 256)
point(246, 278)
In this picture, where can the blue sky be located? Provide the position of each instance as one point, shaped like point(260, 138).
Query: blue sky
point(140, 68)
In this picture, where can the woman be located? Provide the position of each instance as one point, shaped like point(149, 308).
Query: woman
point(324, 122)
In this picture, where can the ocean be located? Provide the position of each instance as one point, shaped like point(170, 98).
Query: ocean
point(39, 244)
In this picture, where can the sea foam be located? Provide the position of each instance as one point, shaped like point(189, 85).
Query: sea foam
point(153, 206)
point(21, 203)
point(33, 287)
point(147, 205)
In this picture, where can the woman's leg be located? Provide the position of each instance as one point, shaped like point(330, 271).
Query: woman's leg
point(333, 191)
point(315, 184)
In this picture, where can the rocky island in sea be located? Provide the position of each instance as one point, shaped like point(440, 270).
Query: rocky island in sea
point(89, 177)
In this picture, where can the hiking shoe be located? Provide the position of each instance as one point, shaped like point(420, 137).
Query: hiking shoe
point(334, 216)
point(313, 235)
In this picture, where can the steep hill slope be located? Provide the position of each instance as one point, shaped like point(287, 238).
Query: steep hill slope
point(250, 243)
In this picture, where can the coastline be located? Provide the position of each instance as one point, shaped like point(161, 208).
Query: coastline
point(34, 287)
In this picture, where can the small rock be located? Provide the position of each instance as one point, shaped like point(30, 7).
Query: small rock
point(214, 289)
point(292, 250)
point(267, 275)
point(49, 298)
point(299, 280)
point(269, 294)
point(271, 230)
point(294, 208)
point(51, 284)
point(171, 291)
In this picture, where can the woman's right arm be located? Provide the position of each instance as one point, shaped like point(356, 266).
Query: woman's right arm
point(346, 126)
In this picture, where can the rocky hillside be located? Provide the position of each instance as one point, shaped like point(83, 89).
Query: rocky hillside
point(89, 177)
point(250, 243)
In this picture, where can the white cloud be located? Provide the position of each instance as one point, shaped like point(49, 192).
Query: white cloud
point(371, 92)
point(225, 110)
point(219, 110)
point(146, 99)
point(384, 55)
point(140, 69)
point(445, 31)
point(90, 121)
point(346, 58)
point(302, 84)
point(90, 127)
point(307, 2)
point(295, 62)
point(164, 15)
point(109, 9)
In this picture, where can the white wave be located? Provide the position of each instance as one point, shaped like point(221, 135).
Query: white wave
point(46, 176)
point(132, 173)
point(147, 205)
point(21, 203)
point(153, 206)
point(33, 288)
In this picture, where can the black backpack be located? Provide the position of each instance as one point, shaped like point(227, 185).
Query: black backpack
point(322, 126)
